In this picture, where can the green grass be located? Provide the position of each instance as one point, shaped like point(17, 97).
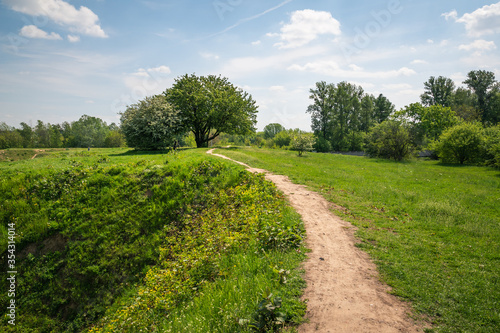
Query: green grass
point(432, 229)
point(117, 240)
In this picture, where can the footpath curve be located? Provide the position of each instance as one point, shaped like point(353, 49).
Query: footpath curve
point(343, 293)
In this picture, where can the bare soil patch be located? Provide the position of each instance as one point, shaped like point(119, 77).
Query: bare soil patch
point(344, 293)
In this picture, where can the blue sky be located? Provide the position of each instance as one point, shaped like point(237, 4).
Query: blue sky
point(60, 59)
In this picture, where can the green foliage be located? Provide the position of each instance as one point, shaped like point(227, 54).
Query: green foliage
point(438, 91)
point(462, 143)
point(283, 139)
point(210, 105)
point(271, 130)
point(427, 123)
point(152, 123)
point(485, 87)
point(302, 142)
point(389, 139)
point(267, 317)
point(88, 132)
point(492, 146)
point(340, 113)
point(128, 241)
point(322, 145)
point(9, 137)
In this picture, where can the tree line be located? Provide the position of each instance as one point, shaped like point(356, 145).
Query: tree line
point(455, 124)
point(88, 131)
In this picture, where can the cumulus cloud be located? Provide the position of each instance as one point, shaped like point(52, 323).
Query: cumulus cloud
point(480, 45)
point(31, 31)
point(305, 26)
point(482, 21)
point(82, 20)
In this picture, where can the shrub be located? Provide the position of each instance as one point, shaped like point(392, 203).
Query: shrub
point(302, 142)
point(461, 143)
point(322, 145)
point(389, 139)
point(492, 146)
point(282, 139)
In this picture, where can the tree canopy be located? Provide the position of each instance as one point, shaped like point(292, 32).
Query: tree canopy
point(210, 105)
point(151, 123)
point(438, 91)
point(341, 113)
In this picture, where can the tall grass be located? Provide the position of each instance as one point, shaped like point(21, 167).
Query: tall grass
point(432, 229)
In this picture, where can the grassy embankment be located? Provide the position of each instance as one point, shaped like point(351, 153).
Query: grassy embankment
point(432, 229)
point(114, 241)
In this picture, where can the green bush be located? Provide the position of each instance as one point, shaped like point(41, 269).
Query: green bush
point(283, 139)
point(462, 143)
point(302, 142)
point(492, 146)
point(322, 145)
point(389, 139)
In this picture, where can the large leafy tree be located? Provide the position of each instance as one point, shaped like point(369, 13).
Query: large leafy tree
point(383, 108)
point(390, 139)
point(272, 129)
point(321, 110)
point(438, 91)
point(152, 123)
point(485, 87)
point(464, 104)
point(427, 123)
point(346, 110)
point(211, 105)
point(88, 131)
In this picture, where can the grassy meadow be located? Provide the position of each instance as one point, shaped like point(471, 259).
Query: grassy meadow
point(112, 240)
point(432, 229)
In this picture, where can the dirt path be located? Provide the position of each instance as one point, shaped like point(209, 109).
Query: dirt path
point(343, 290)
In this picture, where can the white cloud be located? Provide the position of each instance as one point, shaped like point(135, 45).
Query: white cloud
point(480, 44)
point(305, 26)
point(257, 42)
point(419, 62)
point(73, 39)
point(333, 69)
point(450, 15)
point(252, 65)
point(482, 21)
point(82, 20)
point(161, 69)
point(31, 31)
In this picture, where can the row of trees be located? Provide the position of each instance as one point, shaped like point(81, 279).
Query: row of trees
point(479, 100)
point(86, 132)
point(456, 125)
point(342, 114)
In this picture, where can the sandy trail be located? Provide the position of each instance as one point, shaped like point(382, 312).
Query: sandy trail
point(343, 290)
